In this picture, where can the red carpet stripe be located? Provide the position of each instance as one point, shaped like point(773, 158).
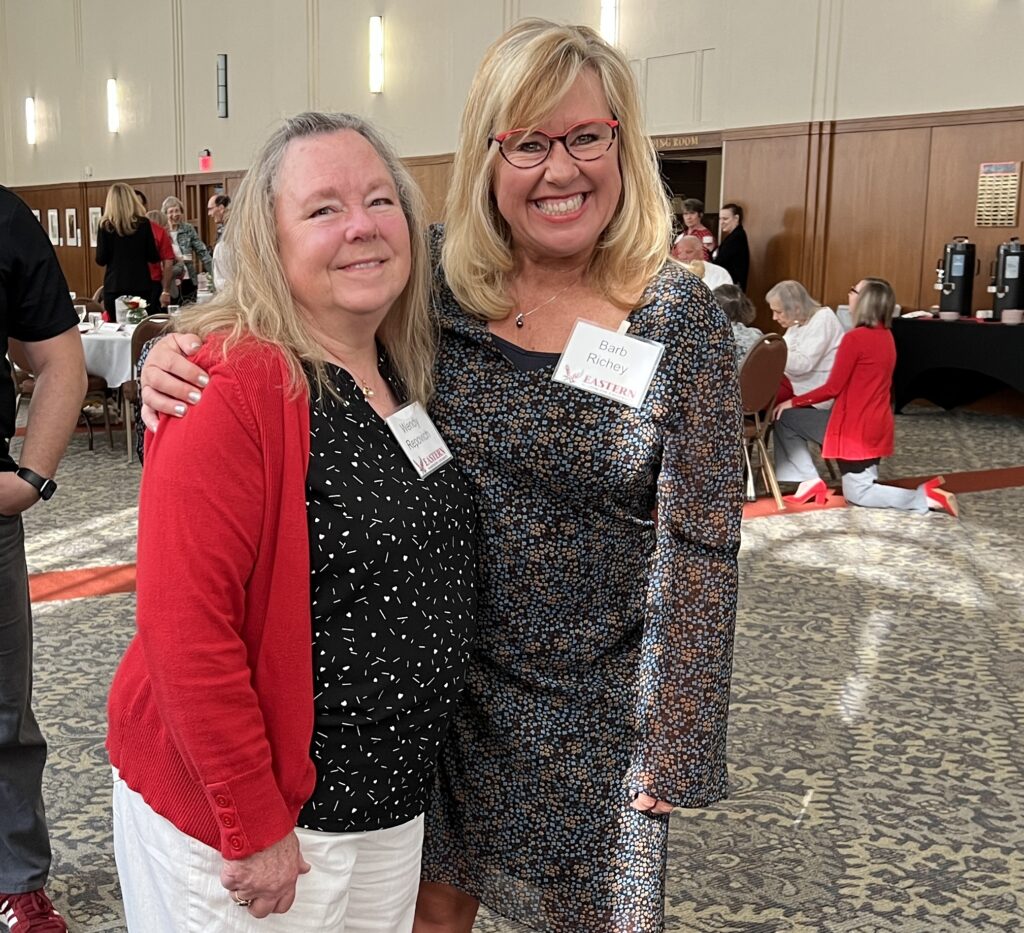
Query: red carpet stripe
point(75, 584)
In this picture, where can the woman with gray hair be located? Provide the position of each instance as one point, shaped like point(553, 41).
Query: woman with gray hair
point(275, 724)
point(187, 245)
point(860, 430)
point(812, 338)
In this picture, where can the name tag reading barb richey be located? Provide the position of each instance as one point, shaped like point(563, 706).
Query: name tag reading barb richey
point(420, 440)
point(608, 363)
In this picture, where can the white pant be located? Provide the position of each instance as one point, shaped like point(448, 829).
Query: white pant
point(359, 882)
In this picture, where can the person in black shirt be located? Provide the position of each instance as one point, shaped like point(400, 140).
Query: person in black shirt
point(38, 329)
point(125, 245)
point(733, 253)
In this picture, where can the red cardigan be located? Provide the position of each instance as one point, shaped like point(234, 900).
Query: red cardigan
point(211, 710)
point(861, 424)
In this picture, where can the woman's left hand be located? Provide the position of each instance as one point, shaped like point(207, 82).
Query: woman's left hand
point(783, 406)
point(648, 804)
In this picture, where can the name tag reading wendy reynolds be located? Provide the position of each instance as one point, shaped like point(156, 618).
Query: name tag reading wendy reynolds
point(608, 363)
point(420, 440)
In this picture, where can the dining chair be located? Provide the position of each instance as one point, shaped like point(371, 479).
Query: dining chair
point(95, 394)
point(760, 376)
point(152, 326)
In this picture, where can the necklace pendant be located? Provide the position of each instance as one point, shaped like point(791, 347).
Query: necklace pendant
point(367, 391)
point(519, 320)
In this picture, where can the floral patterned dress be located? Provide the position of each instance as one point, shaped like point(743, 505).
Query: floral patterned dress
point(603, 656)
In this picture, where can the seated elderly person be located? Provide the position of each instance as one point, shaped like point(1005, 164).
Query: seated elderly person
point(687, 249)
point(739, 309)
point(812, 336)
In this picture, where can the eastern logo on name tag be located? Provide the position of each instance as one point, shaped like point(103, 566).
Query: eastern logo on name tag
point(420, 439)
point(609, 363)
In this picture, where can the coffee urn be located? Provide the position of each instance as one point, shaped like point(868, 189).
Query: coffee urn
point(956, 276)
point(1007, 285)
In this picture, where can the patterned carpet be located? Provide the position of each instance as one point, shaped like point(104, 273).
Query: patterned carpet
point(875, 741)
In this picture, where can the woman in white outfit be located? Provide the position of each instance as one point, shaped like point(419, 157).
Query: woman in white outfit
point(812, 336)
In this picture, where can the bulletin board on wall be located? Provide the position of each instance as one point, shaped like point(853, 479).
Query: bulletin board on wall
point(998, 194)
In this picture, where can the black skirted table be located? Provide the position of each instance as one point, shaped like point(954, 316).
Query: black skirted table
point(955, 363)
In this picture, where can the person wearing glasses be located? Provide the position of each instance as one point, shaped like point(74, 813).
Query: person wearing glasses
point(860, 430)
point(584, 380)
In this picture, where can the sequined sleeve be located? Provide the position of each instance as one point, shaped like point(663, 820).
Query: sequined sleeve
point(686, 653)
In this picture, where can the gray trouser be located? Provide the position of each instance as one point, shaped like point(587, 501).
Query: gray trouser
point(864, 489)
point(24, 841)
point(797, 426)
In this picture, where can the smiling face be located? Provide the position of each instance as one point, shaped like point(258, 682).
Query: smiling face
point(173, 214)
point(560, 208)
point(342, 236)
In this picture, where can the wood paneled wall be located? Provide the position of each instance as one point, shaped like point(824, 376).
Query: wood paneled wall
point(828, 203)
point(433, 175)
point(79, 262)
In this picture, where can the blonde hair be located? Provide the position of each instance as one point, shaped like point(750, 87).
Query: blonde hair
point(122, 210)
point(521, 79)
point(257, 301)
point(794, 300)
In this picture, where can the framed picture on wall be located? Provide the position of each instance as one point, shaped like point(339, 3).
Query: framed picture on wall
point(95, 213)
point(71, 226)
point(40, 219)
point(53, 226)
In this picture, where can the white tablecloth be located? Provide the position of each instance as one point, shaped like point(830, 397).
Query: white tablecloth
point(109, 354)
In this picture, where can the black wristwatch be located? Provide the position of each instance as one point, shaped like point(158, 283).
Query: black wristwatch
point(45, 487)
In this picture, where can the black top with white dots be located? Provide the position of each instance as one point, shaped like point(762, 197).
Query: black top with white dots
point(393, 593)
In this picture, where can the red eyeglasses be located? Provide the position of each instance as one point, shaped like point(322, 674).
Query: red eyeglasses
point(585, 142)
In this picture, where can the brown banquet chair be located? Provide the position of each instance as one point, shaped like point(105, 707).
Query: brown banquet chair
point(760, 376)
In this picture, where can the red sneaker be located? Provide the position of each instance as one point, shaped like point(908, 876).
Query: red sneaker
point(31, 912)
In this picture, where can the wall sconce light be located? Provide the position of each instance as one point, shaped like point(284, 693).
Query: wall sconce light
point(30, 120)
point(113, 112)
point(376, 54)
point(610, 21)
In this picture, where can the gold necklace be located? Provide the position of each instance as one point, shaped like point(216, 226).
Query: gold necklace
point(363, 385)
point(525, 314)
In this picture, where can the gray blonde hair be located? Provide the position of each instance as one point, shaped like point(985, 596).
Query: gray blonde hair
point(521, 79)
point(172, 201)
point(876, 304)
point(794, 299)
point(257, 301)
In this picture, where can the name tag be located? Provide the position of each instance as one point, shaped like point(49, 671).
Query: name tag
point(608, 363)
point(420, 440)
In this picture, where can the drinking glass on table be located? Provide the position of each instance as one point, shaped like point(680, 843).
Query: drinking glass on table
point(95, 319)
point(81, 310)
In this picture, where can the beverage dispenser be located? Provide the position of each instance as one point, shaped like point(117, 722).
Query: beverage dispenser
point(956, 276)
point(1007, 285)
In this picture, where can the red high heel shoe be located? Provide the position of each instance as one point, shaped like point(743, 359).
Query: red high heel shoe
point(817, 491)
point(929, 484)
point(942, 501)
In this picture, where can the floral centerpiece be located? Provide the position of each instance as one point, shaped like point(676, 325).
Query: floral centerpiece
point(136, 308)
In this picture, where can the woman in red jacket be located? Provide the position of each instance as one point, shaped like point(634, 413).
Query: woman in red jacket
point(860, 428)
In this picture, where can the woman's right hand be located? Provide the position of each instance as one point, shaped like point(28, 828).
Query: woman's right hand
point(169, 380)
point(267, 878)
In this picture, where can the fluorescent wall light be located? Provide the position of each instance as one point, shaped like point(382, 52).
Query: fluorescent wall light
point(610, 21)
point(376, 54)
point(30, 120)
point(113, 112)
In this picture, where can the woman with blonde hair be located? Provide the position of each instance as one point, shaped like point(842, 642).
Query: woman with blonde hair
point(187, 245)
point(584, 379)
point(125, 246)
point(275, 724)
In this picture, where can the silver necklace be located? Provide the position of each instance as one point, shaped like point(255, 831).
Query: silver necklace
point(525, 314)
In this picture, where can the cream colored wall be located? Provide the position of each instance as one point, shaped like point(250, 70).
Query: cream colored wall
point(703, 66)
